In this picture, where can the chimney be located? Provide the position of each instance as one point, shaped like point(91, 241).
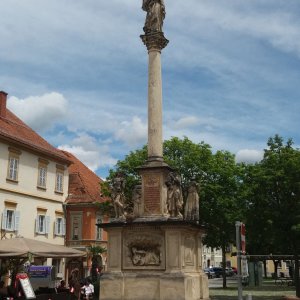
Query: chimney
point(3, 98)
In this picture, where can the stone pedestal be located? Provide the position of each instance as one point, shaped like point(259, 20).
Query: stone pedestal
point(157, 261)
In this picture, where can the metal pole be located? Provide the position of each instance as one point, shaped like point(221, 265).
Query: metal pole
point(239, 267)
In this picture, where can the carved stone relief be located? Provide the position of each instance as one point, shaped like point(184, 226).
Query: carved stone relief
point(189, 251)
point(143, 250)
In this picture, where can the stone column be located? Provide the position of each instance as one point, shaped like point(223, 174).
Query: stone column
point(155, 42)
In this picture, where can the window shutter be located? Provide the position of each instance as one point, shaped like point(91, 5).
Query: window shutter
point(47, 224)
point(56, 227)
point(16, 169)
point(4, 218)
point(17, 220)
point(63, 227)
point(37, 224)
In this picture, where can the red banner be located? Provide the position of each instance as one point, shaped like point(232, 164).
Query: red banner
point(243, 238)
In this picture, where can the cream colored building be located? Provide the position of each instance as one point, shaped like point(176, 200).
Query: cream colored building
point(33, 184)
point(211, 257)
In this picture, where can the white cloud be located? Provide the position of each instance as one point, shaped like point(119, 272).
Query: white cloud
point(185, 122)
point(40, 112)
point(92, 153)
point(276, 24)
point(249, 156)
point(133, 132)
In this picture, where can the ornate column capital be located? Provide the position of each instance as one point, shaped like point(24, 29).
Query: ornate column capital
point(154, 41)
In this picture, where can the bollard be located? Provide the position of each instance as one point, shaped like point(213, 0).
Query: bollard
point(249, 297)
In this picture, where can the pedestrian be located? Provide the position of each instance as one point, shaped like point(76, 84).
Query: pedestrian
point(88, 289)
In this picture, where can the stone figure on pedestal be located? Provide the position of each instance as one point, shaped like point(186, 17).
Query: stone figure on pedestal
point(174, 195)
point(118, 185)
point(155, 15)
point(137, 200)
point(191, 211)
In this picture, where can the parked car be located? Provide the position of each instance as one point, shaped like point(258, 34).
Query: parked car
point(229, 272)
point(210, 273)
point(218, 271)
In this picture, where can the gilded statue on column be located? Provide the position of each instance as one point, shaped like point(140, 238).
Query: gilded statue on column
point(155, 15)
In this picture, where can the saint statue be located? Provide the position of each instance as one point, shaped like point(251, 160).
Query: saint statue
point(191, 211)
point(118, 197)
point(137, 200)
point(155, 15)
point(174, 195)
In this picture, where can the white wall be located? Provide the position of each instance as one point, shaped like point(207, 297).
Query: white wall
point(28, 197)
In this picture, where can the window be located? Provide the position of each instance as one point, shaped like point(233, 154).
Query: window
point(42, 176)
point(59, 182)
point(13, 164)
point(13, 168)
point(42, 224)
point(60, 226)
point(10, 220)
point(98, 229)
point(42, 173)
point(76, 221)
point(57, 263)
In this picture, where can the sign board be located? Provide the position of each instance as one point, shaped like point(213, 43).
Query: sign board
point(39, 271)
point(26, 286)
point(42, 276)
point(244, 266)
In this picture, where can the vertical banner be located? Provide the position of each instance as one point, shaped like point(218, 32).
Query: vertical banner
point(244, 266)
point(243, 238)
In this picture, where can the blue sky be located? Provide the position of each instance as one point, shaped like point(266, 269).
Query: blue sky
point(76, 72)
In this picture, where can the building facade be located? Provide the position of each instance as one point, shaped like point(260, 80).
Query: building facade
point(211, 257)
point(34, 183)
point(82, 215)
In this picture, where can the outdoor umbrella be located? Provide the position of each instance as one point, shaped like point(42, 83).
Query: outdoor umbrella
point(23, 247)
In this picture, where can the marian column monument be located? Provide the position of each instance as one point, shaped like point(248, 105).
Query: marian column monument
point(156, 253)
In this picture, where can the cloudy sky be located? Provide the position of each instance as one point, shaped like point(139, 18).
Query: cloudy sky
point(76, 72)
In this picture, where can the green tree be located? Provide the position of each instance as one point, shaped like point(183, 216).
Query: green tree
point(273, 202)
point(220, 206)
point(94, 252)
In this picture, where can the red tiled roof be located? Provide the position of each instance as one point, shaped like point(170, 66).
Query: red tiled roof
point(84, 184)
point(17, 132)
